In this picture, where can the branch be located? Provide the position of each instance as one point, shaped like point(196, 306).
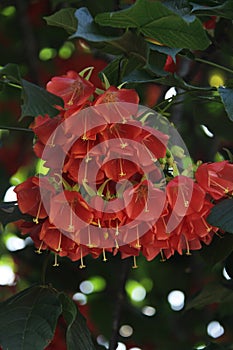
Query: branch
point(29, 41)
point(119, 301)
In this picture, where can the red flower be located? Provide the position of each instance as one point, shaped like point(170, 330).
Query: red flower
point(72, 88)
point(211, 23)
point(117, 104)
point(216, 178)
point(29, 197)
point(144, 202)
point(69, 212)
point(170, 65)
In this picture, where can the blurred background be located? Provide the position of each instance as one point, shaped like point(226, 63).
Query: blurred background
point(183, 303)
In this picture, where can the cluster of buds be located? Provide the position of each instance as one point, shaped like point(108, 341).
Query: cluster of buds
point(112, 184)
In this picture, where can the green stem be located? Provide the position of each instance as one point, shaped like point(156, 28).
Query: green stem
point(214, 65)
point(15, 128)
point(11, 84)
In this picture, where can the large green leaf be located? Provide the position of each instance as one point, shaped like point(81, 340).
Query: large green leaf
point(38, 101)
point(226, 95)
point(28, 319)
point(219, 250)
point(64, 18)
point(156, 21)
point(88, 29)
point(221, 215)
point(224, 9)
point(210, 294)
point(35, 100)
point(78, 336)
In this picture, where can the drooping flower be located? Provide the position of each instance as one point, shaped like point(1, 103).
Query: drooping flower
point(72, 88)
point(216, 178)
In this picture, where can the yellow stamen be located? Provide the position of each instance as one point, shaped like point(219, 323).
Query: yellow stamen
point(117, 229)
point(104, 256)
point(138, 245)
point(81, 266)
point(186, 203)
point(37, 215)
point(52, 144)
point(187, 245)
point(71, 226)
point(162, 256)
point(59, 249)
point(150, 153)
point(225, 190)
point(38, 251)
point(117, 245)
point(135, 266)
point(90, 245)
point(77, 89)
point(55, 261)
point(208, 228)
point(84, 137)
point(121, 168)
point(123, 145)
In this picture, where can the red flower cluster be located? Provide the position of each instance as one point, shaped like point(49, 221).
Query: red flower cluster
point(105, 190)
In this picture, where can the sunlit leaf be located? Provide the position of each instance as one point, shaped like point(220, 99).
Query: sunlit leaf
point(154, 20)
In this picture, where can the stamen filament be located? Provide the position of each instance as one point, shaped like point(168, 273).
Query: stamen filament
point(38, 251)
point(38, 213)
point(104, 256)
point(59, 249)
point(121, 168)
point(135, 266)
point(138, 245)
point(55, 261)
point(187, 245)
point(71, 226)
point(150, 153)
point(208, 228)
point(162, 256)
point(81, 266)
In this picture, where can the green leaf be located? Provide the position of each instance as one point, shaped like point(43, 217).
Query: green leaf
point(221, 215)
point(212, 293)
point(78, 336)
point(143, 76)
point(28, 319)
point(156, 21)
point(156, 63)
point(226, 95)
point(64, 18)
point(38, 101)
point(11, 72)
point(225, 9)
point(113, 69)
point(219, 250)
point(166, 50)
point(88, 29)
